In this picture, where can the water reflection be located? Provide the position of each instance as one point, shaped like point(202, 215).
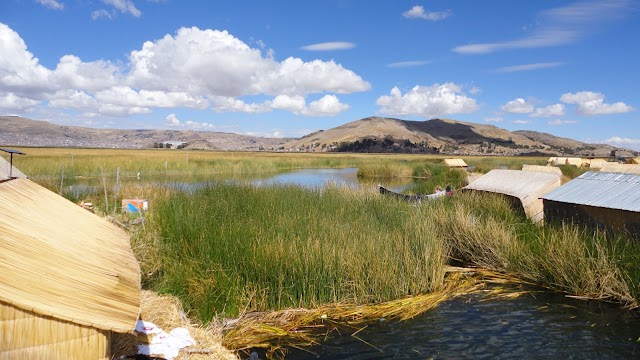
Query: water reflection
point(547, 326)
point(307, 178)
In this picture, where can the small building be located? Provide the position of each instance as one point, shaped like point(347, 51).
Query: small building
point(455, 164)
point(539, 168)
point(615, 167)
point(597, 200)
point(558, 161)
point(593, 163)
point(68, 278)
point(524, 187)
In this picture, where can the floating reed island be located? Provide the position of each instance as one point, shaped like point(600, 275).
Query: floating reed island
point(287, 263)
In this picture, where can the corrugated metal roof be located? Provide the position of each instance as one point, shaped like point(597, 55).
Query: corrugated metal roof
point(600, 189)
point(521, 184)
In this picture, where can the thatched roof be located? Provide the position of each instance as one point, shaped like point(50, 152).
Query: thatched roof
point(635, 160)
point(620, 168)
point(455, 163)
point(527, 186)
point(539, 168)
point(556, 161)
point(59, 260)
point(5, 166)
point(593, 163)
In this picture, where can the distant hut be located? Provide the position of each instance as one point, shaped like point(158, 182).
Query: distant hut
point(538, 168)
point(524, 187)
point(593, 163)
point(598, 200)
point(68, 278)
point(620, 168)
point(455, 164)
point(558, 161)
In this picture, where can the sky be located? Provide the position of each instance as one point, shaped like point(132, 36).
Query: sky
point(285, 68)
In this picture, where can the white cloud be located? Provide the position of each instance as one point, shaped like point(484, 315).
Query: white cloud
point(623, 142)
point(403, 64)
point(561, 122)
point(172, 121)
point(549, 111)
point(11, 102)
point(329, 46)
point(559, 26)
point(474, 90)
point(427, 101)
point(196, 69)
point(518, 106)
point(418, 12)
point(215, 63)
point(529, 67)
point(520, 122)
point(102, 13)
point(51, 4)
point(592, 103)
point(493, 119)
point(124, 6)
point(328, 105)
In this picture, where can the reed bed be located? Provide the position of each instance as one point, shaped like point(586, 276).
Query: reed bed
point(228, 248)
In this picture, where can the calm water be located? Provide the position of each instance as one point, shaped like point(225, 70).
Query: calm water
point(547, 326)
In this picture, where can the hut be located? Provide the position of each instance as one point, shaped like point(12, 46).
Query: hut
point(598, 200)
point(620, 168)
point(546, 169)
point(593, 163)
point(524, 187)
point(68, 278)
point(558, 161)
point(634, 160)
point(455, 164)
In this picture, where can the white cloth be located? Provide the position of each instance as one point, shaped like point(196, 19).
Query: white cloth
point(167, 345)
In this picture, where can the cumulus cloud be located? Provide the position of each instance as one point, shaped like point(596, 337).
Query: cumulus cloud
point(549, 111)
point(529, 67)
point(561, 122)
point(518, 106)
point(328, 105)
point(12, 102)
point(559, 26)
point(198, 69)
point(403, 64)
point(418, 12)
point(427, 101)
point(172, 121)
point(329, 46)
point(592, 103)
point(51, 4)
point(623, 142)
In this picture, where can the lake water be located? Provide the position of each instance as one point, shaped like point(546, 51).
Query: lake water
point(543, 325)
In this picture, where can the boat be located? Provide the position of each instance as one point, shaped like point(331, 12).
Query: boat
point(413, 198)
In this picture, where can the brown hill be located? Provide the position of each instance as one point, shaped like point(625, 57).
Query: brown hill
point(444, 136)
point(18, 131)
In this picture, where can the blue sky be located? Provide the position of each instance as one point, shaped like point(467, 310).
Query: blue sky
point(287, 68)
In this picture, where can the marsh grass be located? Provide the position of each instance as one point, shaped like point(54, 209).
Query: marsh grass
point(230, 248)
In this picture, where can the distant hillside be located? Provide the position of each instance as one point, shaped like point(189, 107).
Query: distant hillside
point(18, 131)
point(372, 134)
point(377, 134)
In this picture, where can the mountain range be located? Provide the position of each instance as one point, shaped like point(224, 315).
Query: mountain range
point(372, 134)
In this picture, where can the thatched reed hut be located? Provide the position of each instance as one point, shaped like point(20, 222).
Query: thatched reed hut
point(68, 278)
point(598, 200)
point(635, 160)
point(456, 164)
point(614, 167)
point(524, 187)
point(558, 161)
point(593, 163)
point(545, 169)
point(7, 170)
